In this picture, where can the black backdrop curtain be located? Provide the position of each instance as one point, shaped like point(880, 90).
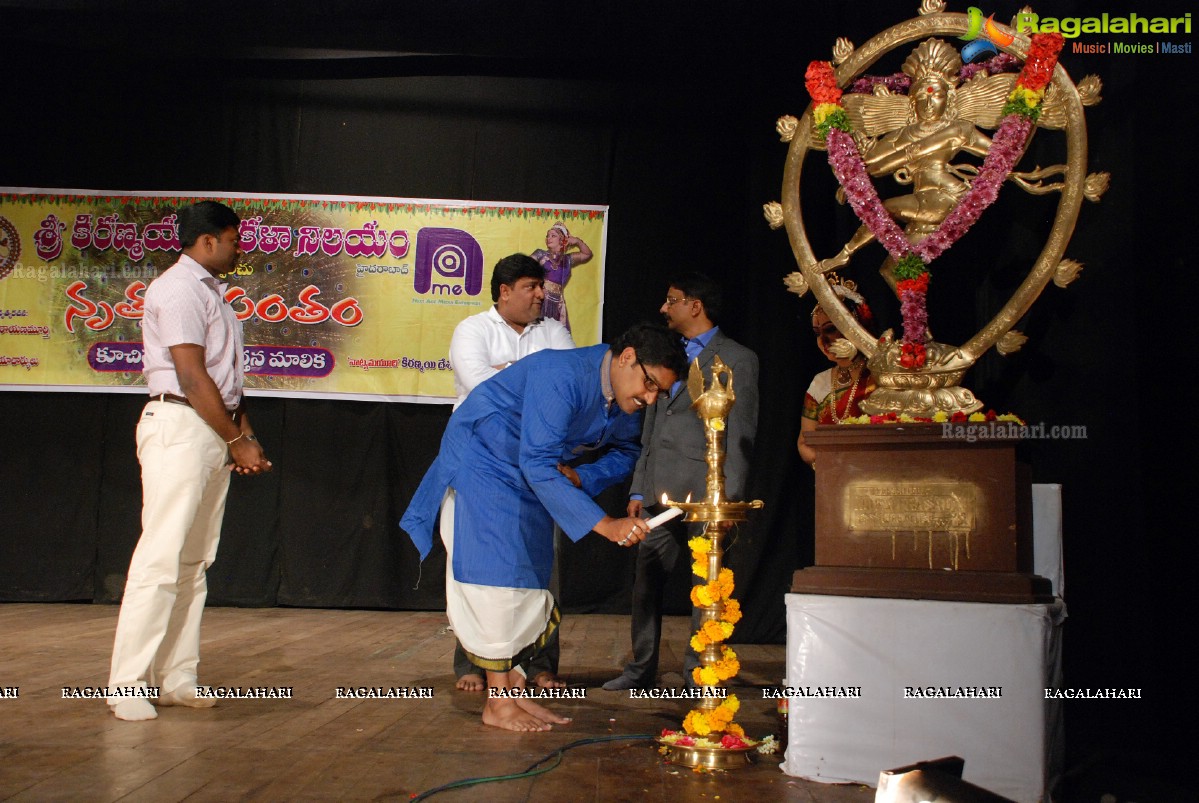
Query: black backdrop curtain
point(667, 116)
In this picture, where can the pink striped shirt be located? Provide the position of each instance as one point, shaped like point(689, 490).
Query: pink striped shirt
point(186, 304)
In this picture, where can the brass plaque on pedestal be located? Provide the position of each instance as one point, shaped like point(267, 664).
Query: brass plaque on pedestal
point(908, 511)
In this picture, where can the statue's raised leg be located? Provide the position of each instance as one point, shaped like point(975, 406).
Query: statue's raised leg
point(860, 238)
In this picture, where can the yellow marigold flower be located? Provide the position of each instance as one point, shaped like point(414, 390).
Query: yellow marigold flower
point(699, 568)
point(735, 729)
point(701, 597)
point(940, 416)
point(977, 418)
point(696, 676)
point(708, 676)
point(822, 111)
point(698, 544)
point(1032, 96)
point(732, 702)
point(698, 643)
point(696, 723)
point(726, 629)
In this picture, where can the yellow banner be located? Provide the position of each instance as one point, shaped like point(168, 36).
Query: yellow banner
point(341, 297)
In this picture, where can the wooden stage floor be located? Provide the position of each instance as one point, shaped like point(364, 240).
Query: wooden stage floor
point(317, 747)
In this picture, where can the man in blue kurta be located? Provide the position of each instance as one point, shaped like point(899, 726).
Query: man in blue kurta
point(501, 481)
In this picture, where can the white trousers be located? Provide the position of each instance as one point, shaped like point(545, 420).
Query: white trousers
point(185, 478)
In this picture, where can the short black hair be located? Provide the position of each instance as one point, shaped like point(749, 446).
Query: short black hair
point(512, 269)
point(205, 217)
point(655, 345)
point(699, 286)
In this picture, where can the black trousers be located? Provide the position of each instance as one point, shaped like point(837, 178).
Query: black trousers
point(658, 556)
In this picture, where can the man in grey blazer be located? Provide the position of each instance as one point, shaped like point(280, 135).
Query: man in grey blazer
point(673, 462)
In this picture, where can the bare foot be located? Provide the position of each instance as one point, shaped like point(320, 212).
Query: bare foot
point(511, 715)
point(471, 682)
point(542, 713)
point(548, 680)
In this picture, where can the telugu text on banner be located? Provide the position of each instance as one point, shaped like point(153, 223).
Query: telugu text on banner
point(341, 297)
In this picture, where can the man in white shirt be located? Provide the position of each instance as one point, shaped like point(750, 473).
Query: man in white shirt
point(192, 433)
point(486, 343)
point(482, 346)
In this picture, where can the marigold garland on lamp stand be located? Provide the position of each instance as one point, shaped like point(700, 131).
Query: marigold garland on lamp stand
point(709, 738)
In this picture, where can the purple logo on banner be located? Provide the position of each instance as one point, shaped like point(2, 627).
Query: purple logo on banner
point(449, 262)
point(288, 361)
point(115, 357)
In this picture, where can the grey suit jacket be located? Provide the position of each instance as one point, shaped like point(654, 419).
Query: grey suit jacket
point(673, 447)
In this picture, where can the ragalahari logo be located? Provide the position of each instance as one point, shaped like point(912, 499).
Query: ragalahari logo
point(449, 262)
point(984, 37)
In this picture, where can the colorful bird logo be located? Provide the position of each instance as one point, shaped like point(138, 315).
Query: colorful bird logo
point(983, 35)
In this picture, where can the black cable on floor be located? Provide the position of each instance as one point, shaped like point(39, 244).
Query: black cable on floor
point(532, 770)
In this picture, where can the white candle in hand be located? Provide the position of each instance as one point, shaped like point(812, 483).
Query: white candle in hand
point(662, 518)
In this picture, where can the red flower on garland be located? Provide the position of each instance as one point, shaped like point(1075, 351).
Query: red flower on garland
point(732, 742)
point(1042, 58)
point(912, 355)
point(917, 285)
point(958, 418)
point(821, 82)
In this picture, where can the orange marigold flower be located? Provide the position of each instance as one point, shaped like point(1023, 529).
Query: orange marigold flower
point(731, 611)
point(719, 718)
point(712, 631)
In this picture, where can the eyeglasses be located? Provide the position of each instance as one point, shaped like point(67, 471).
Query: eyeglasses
point(670, 302)
point(650, 384)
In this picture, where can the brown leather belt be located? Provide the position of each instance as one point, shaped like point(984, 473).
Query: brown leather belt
point(173, 399)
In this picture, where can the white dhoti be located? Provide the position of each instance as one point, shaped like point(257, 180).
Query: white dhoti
point(499, 627)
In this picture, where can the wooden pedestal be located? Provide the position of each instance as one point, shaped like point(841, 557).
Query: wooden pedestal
point(911, 511)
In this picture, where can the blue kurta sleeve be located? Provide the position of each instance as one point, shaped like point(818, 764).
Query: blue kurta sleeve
point(618, 462)
point(561, 403)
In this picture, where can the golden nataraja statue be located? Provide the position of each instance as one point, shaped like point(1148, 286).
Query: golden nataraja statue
point(924, 140)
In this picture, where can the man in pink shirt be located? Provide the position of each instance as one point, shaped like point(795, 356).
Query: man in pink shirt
point(192, 433)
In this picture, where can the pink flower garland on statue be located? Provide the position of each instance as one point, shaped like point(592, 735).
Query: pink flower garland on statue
point(1007, 146)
